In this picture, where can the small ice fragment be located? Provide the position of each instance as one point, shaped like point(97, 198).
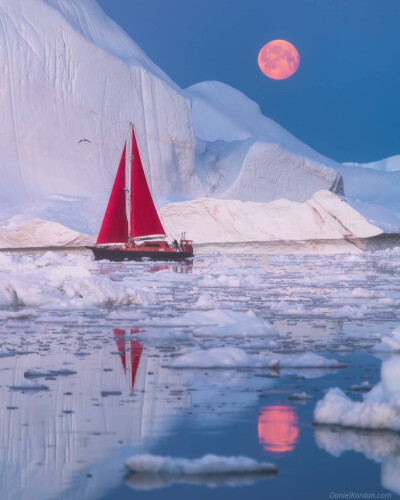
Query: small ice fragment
point(301, 396)
point(110, 393)
point(205, 302)
point(363, 387)
point(50, 373)
point(30, 385)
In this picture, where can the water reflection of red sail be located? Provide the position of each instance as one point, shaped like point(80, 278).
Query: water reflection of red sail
point(278, 428)
point(131, 352)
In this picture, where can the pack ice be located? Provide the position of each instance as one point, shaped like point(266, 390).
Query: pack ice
point(72, 79)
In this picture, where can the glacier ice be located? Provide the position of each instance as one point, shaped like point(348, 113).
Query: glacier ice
point(72, 81)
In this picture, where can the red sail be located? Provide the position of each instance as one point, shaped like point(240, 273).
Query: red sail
point(136, 350)
point(114, 228)
point(120, 339)
point(144, 217)
point(136, 353)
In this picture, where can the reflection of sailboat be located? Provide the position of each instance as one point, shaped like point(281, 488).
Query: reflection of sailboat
point(131, 227)
point(99, 434)
point(131, 352)
point(278, 428)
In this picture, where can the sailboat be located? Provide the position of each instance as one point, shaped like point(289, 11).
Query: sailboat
point(131, 228)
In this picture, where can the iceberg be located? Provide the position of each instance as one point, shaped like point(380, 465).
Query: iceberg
point(73, 79)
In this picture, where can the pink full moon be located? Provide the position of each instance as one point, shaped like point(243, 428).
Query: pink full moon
point(278, 59)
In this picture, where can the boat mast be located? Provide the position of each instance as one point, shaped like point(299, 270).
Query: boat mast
point(128, 181)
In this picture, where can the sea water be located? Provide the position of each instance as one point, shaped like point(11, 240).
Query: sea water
point(100, 362)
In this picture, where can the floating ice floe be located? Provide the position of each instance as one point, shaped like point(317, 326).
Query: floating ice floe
point(233, 357)
point(221, 357)
point(152, 471)
point(208, 464)
point(29, 385)
point(156, 335)
point(205, 302)
point(221, 281)
point(105, 394)
point(33, 374)
point(218, 323)
point(389, 343)
point(380, 408)
point(235, 324)
point(290, 308)
point(301, 396)
point(363, 387)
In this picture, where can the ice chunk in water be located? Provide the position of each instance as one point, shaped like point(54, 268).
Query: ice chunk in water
point(378, 410)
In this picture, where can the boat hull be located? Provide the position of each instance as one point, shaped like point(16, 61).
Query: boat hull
point(116, 255)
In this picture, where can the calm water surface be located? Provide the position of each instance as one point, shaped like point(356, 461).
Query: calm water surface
point(71, 438)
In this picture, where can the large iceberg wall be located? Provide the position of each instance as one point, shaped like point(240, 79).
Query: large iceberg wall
point(72, 80)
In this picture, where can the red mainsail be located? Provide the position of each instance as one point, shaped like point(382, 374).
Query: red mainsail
point(144, 217)
point(114, 228)
point(135, 351)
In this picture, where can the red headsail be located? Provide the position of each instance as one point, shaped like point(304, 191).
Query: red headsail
point(144, 217)
point(114, 228)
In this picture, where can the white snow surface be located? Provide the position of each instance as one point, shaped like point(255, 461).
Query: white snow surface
point(380, 408)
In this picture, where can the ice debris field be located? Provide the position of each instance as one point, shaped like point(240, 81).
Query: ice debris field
point(125, 364)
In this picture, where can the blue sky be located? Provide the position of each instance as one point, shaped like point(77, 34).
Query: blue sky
point(344, 99)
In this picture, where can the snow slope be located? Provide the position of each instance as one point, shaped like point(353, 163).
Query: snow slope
point(72, 79)
point(391, 164)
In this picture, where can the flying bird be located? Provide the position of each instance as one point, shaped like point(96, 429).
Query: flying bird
point(84, 140)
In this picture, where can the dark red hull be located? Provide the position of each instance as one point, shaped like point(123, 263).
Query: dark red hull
point(116, 255)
